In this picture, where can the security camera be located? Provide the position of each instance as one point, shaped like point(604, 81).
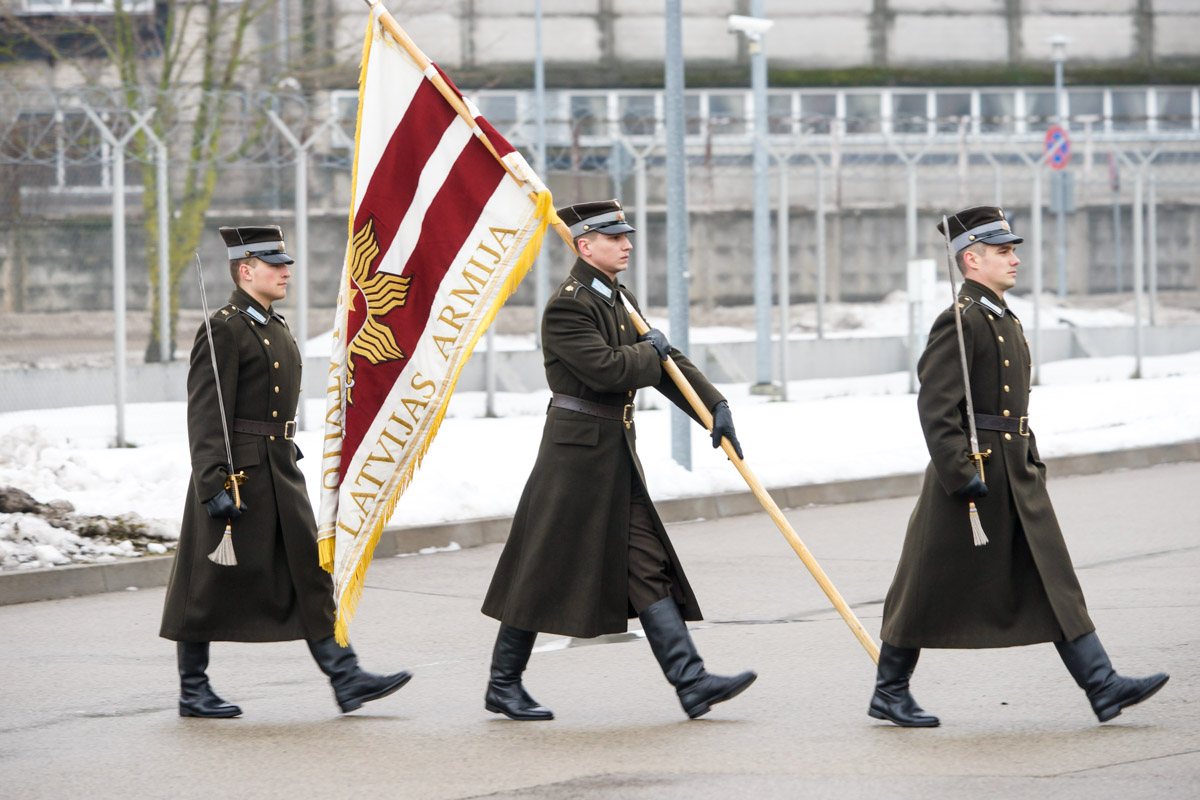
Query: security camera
point(753, 27)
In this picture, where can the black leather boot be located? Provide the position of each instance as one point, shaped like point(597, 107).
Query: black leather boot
point(676, 653)
point(892, 699)
point(196, 697)
point(505, 694)
point(1108, 692)
point(352, 686)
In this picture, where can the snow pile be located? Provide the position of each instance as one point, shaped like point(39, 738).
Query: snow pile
point(34, 534)
point(130, 500)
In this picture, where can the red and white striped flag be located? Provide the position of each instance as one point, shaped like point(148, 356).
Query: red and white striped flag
point(446, 219)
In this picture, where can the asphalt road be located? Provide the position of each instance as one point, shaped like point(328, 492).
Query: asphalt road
point(87, 700)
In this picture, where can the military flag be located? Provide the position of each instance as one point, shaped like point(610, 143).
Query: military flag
point(446, 219)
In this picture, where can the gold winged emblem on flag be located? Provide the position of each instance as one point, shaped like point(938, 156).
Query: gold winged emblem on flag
point(383, 292)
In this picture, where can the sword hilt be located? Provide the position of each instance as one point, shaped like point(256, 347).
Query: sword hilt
point(232, 482)
point(978, 459)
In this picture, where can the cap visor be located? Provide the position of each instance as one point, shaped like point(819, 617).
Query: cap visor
point(276, 258)
point(1001, 238)
point(616, 228)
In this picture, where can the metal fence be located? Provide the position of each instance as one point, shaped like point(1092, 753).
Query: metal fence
point(858, 179)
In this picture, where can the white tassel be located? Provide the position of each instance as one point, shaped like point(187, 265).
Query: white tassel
point(976, 526)
point(223, 555)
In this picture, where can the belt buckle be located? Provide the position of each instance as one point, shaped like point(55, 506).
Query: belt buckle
point(1023, 426)
point(289, 429)
point(627, 415)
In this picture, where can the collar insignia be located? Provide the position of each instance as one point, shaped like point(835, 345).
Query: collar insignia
point(992, 307)
point(255, 315)
point(599, 286)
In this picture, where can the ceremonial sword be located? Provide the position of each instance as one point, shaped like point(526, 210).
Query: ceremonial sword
point(976, 456)
point(223, 555)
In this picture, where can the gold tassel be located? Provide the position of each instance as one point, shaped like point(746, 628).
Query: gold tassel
point(223, 555)
point(976, 526)
point(325, 552)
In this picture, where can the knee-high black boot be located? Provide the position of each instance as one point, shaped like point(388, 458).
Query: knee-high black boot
point(1108, 692)
point(352, 686)
point(505, 693)
point(196, 697)
point(676, 653)
point(892, 699)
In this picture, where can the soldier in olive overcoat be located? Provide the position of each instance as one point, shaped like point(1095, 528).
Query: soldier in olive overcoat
point(277, 590)
point(587, 551)
point(1020, 588)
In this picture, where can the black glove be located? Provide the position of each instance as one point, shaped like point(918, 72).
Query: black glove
point(723, 427)
point(974, 488)
point(220, 506)
point(659, 339)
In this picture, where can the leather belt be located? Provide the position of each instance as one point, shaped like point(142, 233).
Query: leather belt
point(285, 429)
point(602, 410)
point(990, 422)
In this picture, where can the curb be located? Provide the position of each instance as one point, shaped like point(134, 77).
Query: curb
point(79, 580)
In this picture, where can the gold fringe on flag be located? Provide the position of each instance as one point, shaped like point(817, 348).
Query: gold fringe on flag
point(352, 594)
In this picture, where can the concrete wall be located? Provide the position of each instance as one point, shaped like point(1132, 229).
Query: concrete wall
point(63, 265)
point(814, 34)
point(523, 371)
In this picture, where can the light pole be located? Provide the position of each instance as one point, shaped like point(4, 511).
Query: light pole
point(754, 28)
point(1058, 49)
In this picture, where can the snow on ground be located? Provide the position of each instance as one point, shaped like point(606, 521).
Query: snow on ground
point(477, 466)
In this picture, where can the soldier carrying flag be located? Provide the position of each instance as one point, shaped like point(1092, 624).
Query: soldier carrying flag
point(587, 550)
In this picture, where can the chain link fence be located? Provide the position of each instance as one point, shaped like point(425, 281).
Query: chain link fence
point(862, 183)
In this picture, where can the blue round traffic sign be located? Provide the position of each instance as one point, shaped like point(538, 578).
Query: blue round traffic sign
point(1058, 145)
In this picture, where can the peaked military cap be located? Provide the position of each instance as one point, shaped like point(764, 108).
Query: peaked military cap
point(257, 241)
point(605, 216)
point(979, 224)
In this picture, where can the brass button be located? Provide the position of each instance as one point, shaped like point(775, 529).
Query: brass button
point(1001, 338)
point(1007, 436)
point(277, 364)
point(277, 389)
point(1005, 362)
point(622, 327)
point(251, 323)
point(276, 413)
point(990, 316)
point(1026, 340)
point(630, 394)
point(1006, 412)
point(1005, 388)
point(268, 341)
point(273, 438)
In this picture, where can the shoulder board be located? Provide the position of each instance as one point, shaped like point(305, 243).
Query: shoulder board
point(598, 288)
point(225, 313)
point(569, 289)
point(964, 303)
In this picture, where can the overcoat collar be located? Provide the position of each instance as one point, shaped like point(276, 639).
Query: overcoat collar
point(595, 281)
point(242, 300)
point(984, 296)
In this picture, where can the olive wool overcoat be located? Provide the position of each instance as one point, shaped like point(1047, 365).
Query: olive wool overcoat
point(564, 568)
point(277, 591)
point(1021, 587)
